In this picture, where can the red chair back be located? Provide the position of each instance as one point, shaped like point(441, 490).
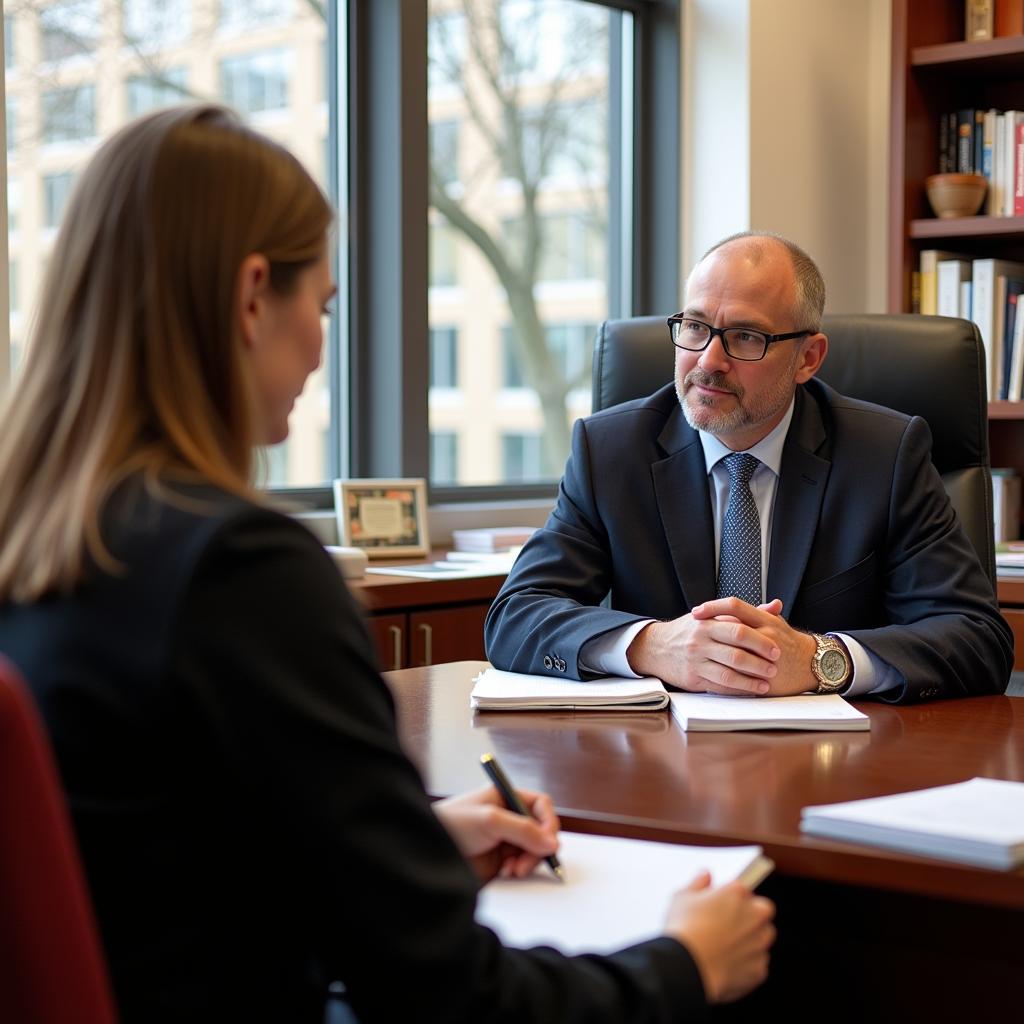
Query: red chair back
point(51, 965)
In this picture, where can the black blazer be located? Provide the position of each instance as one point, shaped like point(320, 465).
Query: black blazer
point(249, 825)
point(864, 541)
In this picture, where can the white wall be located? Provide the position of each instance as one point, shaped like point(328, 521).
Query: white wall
point(785, 128)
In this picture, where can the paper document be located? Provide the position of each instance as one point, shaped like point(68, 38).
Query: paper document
point(976, 822)
point(616, 891)
point(441, 570)
point(712, 712)
point(515, 691)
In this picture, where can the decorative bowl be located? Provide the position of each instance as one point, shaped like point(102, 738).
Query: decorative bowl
point(956, 195)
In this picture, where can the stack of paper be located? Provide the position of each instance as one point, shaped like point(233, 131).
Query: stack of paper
point(616, 892)
point(515, 691)
point(491, 538)
point(977, 822)
point(710, 712)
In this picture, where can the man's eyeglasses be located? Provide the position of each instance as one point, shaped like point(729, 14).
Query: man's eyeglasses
point(738, 342)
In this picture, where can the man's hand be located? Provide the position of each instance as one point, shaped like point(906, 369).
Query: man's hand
point(496, 840)
point(727, 646)
point(728, 932)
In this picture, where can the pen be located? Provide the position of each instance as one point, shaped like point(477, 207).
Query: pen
point(513, 803)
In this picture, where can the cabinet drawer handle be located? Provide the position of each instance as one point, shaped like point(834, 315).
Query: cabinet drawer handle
point(396, 641)
point(428, 637)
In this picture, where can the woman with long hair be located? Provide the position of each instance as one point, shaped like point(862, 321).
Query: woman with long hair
point(250, 827)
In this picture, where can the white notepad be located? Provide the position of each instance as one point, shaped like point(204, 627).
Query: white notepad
point(976, 822)
point(616, 892)
point(495, 690)
point(711, 712)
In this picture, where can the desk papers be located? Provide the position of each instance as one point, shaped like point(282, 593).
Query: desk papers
point(515, 691)
point(616, 892)
point(711, 712)
point(976, 822)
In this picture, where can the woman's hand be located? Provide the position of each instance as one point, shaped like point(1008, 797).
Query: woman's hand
point(495, 840)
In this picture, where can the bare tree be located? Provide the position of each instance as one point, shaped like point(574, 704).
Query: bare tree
point(533, 119)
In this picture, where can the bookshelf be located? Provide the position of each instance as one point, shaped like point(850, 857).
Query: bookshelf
point(935, 70)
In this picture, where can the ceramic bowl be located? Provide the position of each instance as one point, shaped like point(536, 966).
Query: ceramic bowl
point(956, 195)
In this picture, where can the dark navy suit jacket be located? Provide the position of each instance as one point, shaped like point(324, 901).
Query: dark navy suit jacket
point(864, 542)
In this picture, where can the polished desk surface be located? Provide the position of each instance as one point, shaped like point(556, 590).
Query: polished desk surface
point(637, 774)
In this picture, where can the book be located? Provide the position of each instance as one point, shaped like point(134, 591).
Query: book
point(983, 308)
point(965, 300)
point(1018, 167)
point(1006, 492)
point(965, 141)
point(979, 822)
point(494, 690)
point(1011, 119)
point(1009, 18)
point(928, 266)
point(949, 276)
point(1014, 287)
point(1017, 366)
point(712, 712)
point(978, 19)
point(988, 156)
point(492, 538)
point(616, 892)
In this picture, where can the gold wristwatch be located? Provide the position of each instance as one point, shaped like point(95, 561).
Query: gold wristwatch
point(831, 663)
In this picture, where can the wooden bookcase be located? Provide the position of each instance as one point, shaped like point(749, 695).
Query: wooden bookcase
point(935, 70)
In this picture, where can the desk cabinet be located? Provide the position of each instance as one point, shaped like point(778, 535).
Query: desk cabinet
point(416, 622)
point(1011, 604)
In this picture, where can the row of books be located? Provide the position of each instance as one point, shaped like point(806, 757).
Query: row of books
point(987, 19)
point(986, 291)
point(988, 142)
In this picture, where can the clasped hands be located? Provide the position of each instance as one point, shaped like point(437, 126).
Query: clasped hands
point(727, 646)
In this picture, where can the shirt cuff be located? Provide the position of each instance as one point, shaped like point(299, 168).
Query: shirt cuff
point(870, 673)
point(607, 653)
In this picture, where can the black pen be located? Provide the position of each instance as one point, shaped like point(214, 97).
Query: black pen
point(513, 803)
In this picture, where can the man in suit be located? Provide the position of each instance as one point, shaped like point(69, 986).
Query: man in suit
point(754, 531)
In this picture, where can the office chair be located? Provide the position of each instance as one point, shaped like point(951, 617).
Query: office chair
point(51, 966)
point(927, 366)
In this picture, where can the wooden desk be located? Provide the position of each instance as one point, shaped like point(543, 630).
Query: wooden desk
point(1011, 603)
point(415, 622)
point(865, 934)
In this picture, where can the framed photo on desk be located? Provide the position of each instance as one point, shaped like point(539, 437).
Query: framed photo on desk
point(386, 518)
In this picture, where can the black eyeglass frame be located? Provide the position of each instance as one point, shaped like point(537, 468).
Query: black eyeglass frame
point(713, 332)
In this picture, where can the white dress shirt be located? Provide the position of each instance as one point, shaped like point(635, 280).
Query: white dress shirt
point(607, 653)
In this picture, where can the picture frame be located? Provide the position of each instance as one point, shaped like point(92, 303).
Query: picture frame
point(384, 518)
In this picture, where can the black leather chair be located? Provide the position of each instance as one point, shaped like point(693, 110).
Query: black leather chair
point(928, 366)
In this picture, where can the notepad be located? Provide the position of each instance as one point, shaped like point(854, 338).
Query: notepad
point(976, 822)
point(495, 690)
point(616, 892)
point(711, 712)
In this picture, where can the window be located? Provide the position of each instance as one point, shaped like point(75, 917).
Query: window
point(444, 152)
point(237, 15)
point(258, 81)
point(153, 25)
point(442, 257)
point(13, 205)
point(56, 192)
point(147, 92)
point(69, 115)
point(12, 287)
point(12, 123)
point(69, 29)
point(521, 458)
point(444, 457)
point(444, 357)
point(9, 62)
point(499, 256)
point(526, 204)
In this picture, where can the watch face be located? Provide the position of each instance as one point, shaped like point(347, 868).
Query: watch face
point(833, 666)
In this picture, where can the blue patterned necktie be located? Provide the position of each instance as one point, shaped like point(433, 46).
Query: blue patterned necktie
point(739, 562)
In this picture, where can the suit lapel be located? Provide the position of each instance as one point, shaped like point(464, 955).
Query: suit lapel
point(681, 487)
point(801, 490)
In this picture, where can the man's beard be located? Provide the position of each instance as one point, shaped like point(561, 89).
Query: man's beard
point(701, 412)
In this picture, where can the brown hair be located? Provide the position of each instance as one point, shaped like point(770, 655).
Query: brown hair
point(135, 361)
